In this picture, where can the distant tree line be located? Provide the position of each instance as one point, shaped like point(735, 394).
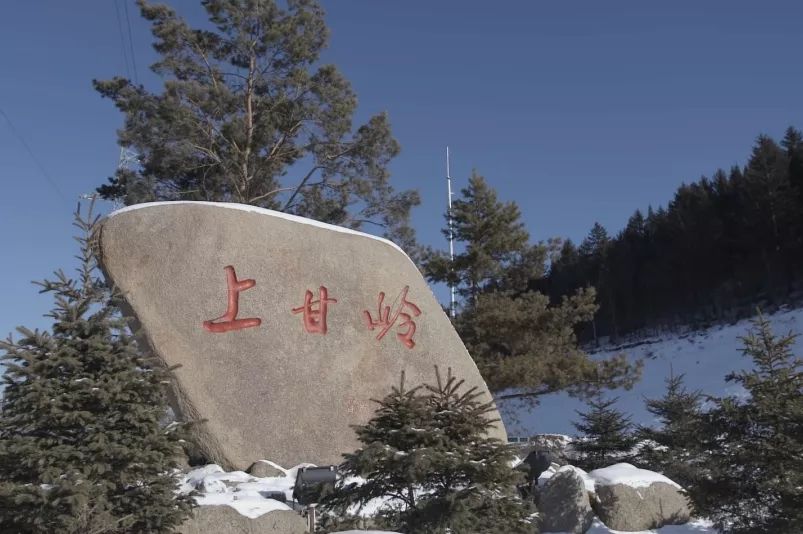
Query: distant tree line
point(723, 245)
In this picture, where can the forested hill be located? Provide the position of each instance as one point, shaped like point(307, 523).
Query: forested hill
point(721, 247)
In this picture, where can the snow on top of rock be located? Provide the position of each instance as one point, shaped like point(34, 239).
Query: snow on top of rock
point(554, 469)
point(549, 473)
point(587, 480)
point(628, 475)
point(261, 211)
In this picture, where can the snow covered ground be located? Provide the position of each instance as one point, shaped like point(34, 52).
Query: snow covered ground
point(705, 357)
point(247, 494)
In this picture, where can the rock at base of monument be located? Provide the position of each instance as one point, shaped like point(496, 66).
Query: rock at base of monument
point(633, 499)
point(623, 507)
point(226, 520)
point(264, 468)
point(564, 504)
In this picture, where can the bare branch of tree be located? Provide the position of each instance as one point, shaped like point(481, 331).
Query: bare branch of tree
point(300, 185)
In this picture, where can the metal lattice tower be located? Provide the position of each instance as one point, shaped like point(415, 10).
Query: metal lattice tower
point(128, 160)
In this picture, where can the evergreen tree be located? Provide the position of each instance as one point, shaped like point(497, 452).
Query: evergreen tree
point(426, 450)
point(83, 448)
point(767, 186)
point(793, 145)
point(526, 348)
point(595, 244)
point(754, 448)
point(518, 340)
point(246, 103)
point(607, 435)
point(673, 447)
point(594, 255)
point(494, 239)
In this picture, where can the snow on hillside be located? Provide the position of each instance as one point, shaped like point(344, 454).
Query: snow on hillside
point(705, 358)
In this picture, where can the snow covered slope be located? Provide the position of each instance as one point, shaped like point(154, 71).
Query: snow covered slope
point(705, 357)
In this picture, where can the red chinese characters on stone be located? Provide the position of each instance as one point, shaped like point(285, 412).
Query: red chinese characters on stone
point(405, 311)
point(315, 311)
point(229, 321)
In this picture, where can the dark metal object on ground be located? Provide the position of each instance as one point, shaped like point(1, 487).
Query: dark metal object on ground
point(313, 483)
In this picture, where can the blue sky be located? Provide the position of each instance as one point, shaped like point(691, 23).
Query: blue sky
point(579, 111)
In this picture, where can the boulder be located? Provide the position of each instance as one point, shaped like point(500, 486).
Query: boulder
point(632, 499)
point(564, 504)
point(226, 520)
point(283, 329)
point(263, 469)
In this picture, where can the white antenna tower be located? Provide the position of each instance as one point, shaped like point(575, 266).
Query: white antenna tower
point(128, 160)
point(452, 303)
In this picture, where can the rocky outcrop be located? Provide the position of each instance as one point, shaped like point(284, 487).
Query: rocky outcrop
point(564, 504)
point(263, 468)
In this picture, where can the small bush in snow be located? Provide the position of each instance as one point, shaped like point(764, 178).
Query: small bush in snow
point(428, 464)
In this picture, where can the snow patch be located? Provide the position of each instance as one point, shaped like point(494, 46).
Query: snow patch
point(247, 494)
point(628, 475)
point(261, 211)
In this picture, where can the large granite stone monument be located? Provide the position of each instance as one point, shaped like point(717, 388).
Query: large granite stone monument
point(283, 328)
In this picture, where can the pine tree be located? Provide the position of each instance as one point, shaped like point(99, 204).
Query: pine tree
point(518, 339)
point(594, 261)
point(247, 102)
point(494, 239)
point(427, 451)
point(793, 145)
point(673, 447)
point(607, 435)
point(83, 448)
point(595, 244)
point(754, 448)
point(767, 185)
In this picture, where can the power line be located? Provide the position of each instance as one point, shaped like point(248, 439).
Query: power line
point(130, 41)
point(122, 38)
point(38, 163)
